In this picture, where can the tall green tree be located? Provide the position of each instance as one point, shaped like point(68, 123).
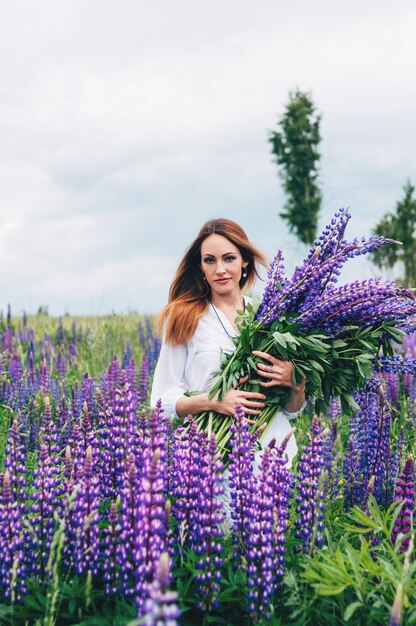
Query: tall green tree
point(295, 146)
point(401, 226)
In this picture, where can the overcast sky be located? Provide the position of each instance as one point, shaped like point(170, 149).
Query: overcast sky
point(125, 125)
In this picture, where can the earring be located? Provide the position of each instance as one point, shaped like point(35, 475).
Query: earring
point(203, 275)
point(244, 273)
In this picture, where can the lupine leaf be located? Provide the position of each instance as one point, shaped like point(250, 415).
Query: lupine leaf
point(350, 610)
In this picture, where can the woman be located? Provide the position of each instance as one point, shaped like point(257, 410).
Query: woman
point(198, 326)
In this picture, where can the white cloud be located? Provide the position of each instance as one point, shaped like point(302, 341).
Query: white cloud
point(124, 126)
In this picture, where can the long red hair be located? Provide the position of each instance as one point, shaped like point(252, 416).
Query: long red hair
point(189, 293)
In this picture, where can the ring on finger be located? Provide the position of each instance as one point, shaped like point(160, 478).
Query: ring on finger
point(270, 369)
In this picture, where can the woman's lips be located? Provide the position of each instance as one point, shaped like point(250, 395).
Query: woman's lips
point(222, 280)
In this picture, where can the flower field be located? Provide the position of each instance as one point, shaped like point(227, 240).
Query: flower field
point(112, 514)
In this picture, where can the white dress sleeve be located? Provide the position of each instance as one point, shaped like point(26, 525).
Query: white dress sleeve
point(291, 416)
point(168, 381)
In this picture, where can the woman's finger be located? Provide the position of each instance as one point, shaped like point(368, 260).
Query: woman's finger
point(242, 380)
point(251, 412)
point(275, 374)
point(263, 355)
point(264, 366)
point(271, 360)
point(266, 373)
point(245, 419)
point(253, 404)
point(253, 394)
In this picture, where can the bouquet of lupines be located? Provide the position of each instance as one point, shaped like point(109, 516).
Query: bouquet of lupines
point(332, 334)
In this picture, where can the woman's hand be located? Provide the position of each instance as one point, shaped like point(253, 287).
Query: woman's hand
point(278, 373)
point(250, 401)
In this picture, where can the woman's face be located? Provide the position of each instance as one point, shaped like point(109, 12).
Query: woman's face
point(222, 264)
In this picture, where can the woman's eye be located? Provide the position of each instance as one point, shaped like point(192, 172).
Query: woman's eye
point(230, 258)
point(208, 260)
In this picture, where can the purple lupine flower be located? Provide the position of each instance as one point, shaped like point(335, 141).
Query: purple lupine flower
point(132, 378)
point(62, 365)
point(77, 452)
point(45, 378)
point(335, 411)
point(160, 607)
point(60, 334)
point(88, 437)
point(150, 528)
point(8, 339)
point(118, 437)
point(310, 499)
point(87, 395)
point(277, 282)
point(189, 448)
point(400, 364)
point(15, 463)
point(332, 456)
point(260, 555)
point(283, 481)
point(392, 386)
point(405, 492)
point(31, 427)
point(110, 567)
point(360, 303)
point(73, 345)
point(397, 458)
point(112, 378)
point(317, 274)
point(145, 333)
point(369, 448)
point(409, 384)
point(156, 434)
point(352, 465)
point(15, 368)
point(153, 353)
point(206, 533)
point(127, 356)
point(241, 474)
point(86, 517)
point(30, 354)
point(63, 422)
point(381, 456)
point(48, 349)
point(128, 519)
point(149, 343)
point(328, 449)
point(144, 376)
point(46, 503)
point(12, 544)
point(108, 444)
point(141, 335)
point(71, 484)
point(48, 430)
point(409, 344)
point(57, 390)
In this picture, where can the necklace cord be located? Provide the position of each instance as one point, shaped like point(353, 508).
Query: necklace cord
point(220, 321)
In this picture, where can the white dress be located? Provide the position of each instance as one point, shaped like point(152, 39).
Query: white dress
point(190, 366)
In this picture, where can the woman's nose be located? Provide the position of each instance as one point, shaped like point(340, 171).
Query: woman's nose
point(220, 269)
